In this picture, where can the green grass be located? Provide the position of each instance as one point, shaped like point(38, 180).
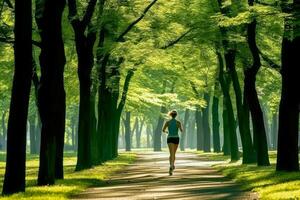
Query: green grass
point(268, 183)
point(73, 183)
point(212, 156)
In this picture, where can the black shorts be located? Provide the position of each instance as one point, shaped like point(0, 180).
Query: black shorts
point(174, 140)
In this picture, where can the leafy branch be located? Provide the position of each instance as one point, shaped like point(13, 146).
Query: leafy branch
point(270, 62)
point(130, 26)
point(172, 43)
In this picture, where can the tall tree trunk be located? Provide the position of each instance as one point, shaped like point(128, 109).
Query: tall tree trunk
point(206, 127)
point(93, 124)
point(14, 180)
point(184, 134)
point(259, 132)
point(102, 94)
point(191, 135)
point(136, 130)
point(158, 130)
point(84, 46)
point(118, 108)
point(4, 131)
point(243, 123)
point(108, 110)
point(38, 127)
point(266, 123)
point(102, 60)
point(127, 131)
point(275, 130)
point(116, 133)
point(51, 91)
point(287, 157)
point(226, 134)
point(228, 115)
point(73, 133)
point(76, 135)
point(112, 113)
point(32, 134)
point(139, 134)
point(229, 57)
point(122, 136)
point(215, 121)
point(199, 125)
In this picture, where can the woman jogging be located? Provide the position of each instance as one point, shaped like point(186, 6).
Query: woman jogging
point(173, 138)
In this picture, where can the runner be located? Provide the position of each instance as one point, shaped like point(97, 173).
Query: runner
point(173, 137)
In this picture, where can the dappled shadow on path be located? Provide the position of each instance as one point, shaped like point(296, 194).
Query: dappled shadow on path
point(148, 178)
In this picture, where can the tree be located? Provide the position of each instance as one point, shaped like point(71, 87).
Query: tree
point(215, 119)
point(127, 131)
point(51, 90)
point(230, 138)
point(84, 47)
point(14, 180)
point(183, 135)
point(206, 125)
point(259, 132)
point(287, 158)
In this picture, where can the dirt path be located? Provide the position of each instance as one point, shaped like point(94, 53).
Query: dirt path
point(148, 178)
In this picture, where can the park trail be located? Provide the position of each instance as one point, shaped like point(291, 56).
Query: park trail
point(148, 178)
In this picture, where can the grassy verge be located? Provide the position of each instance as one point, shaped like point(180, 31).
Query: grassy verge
point(212, 156)
point(268, 183)
point(73, 183)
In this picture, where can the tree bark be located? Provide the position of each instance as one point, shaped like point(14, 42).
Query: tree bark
point(84, 46)
point(32, 135)
point(14, 180)
point(51, 92)
point(158, 130)
point(243, 123)
point(206, 127)
point(259, 132)
point(139, 134)
point(266, 123)
point(4, 131)
point(216, 122)
point(93, 125)
point(159, 125)
point(226, 135)
point(287, 157)
point(230, 137)
point(274, 130)
point(199, 125)
point(184, 134)
point(73, 133)
point(191, 135)
point(127, 131)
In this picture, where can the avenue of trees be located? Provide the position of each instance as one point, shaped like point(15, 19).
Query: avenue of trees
point(98, 75)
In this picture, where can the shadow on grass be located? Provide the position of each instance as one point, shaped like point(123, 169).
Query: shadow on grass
point(251, 176)
point(74, 182)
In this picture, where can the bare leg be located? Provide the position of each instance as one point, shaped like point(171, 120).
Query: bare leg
point(170, 145)
point(175, 146)
point(172, 154)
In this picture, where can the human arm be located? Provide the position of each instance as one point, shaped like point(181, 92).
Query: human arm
point(165, 127)
point(180, 127)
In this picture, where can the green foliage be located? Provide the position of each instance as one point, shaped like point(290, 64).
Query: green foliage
point(190, 60)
